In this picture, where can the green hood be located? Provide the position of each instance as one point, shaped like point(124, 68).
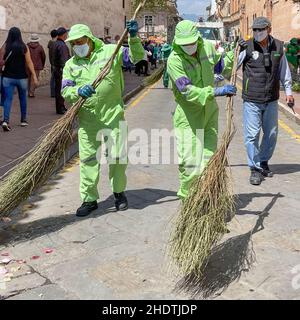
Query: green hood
point(186, 33)
point(294, 41)
point(166, 47)
point(81, 30)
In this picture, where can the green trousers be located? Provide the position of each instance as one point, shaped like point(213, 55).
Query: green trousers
point(92, 134)
point(196, 133)
point(166, 77)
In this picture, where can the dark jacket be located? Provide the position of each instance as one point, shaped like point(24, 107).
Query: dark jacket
point(61, 54)
point(37, 54)
point(51, 45)
point(261, 83)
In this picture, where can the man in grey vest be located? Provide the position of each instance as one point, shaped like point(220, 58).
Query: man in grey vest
point(264, 67)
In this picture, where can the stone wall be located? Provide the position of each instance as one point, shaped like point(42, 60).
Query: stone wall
point(286, 19)
point(160, 23)
point(284, 14)
point(41, 16)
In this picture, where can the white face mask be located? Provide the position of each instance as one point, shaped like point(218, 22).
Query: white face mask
point(82, 50)
point(259, 36)
point(190, 49)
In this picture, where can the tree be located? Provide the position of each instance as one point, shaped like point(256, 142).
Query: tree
point(152, 4)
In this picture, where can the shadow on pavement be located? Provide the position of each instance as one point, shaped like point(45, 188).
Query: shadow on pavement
point(226, 264)
point(244, 199)
point(279, 168)
point(18, 232)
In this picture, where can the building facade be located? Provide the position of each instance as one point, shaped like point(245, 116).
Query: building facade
point(238, 16)
point(230, 13)
point(159, 22)
point(105, 17)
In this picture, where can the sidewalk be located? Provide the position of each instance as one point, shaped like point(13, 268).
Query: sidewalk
point(282, 96)
point(41, 114)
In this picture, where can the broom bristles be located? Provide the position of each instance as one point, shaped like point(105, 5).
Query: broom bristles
point(202, 220)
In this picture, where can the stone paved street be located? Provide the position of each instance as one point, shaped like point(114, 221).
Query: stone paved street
point(41, 114)
point(113, 255)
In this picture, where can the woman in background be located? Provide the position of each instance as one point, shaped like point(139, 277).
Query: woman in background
point(16, 58)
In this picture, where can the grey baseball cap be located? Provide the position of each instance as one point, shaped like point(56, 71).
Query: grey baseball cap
point(261, 23)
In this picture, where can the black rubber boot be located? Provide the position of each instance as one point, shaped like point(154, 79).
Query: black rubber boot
point(256, 177)
point(266, 170)
point(121, 201)
point(86, 209)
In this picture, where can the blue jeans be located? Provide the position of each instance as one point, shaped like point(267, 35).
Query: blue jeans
point(9, 86)
point(259, 117)
point(1, 98)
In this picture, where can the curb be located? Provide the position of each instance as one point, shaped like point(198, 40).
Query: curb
point(288, 113)
point(284, 109)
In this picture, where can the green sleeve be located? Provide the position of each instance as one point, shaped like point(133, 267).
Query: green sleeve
point(184, 86)
point(228, 63)
point(136, 50)
point(69, 88)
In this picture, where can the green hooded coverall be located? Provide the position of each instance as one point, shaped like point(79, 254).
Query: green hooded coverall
point(196, 115)
point(166, 51)
point(292, 53)
point(104, 110)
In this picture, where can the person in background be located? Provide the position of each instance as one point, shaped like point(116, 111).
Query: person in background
point(107, 40)
point(38, 58)
point(1, 78)
point(292, 52)
point(116, 39)
point(127, 64)
point(17, 60)
point(264, 67)
point(50, 50)
point(143, 65)
point(155, 55)
point(166, 51)
point(61, 55)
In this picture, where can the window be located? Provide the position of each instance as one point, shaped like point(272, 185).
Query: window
point(106, 31)
point(148, 20)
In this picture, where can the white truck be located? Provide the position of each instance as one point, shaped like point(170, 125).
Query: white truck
point(212, 31)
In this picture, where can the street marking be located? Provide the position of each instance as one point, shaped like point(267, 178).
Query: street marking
point(239, 87)
point(290, 131)
point(141, 97)
point(282, 124)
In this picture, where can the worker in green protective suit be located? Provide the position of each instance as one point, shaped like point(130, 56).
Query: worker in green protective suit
point(292, 54)
point(191, 68)
point(103, 111)
point(166, 51)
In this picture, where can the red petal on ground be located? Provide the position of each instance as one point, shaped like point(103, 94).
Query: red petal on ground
point(35, 257)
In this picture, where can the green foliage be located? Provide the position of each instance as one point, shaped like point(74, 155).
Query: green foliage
point(151, 4)
point(296, 86)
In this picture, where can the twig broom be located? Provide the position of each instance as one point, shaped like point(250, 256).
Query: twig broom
point(202, 220)
point(38, 166)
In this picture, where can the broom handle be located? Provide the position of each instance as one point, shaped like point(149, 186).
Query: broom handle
point(106, 69)
point(230, 124)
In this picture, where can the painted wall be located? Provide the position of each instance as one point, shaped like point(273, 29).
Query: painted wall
point(41, 16)
point(284, 14)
